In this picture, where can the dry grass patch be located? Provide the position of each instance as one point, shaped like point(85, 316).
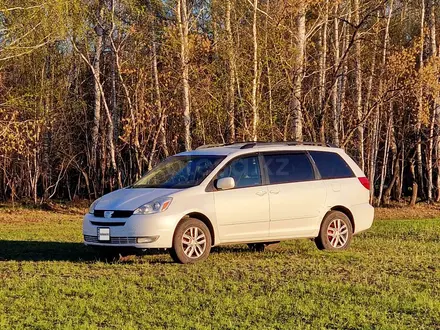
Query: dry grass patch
point(400, 211)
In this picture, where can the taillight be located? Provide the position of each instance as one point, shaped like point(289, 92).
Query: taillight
point(365, 182)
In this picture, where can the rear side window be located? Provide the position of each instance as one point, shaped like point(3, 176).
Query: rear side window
point(245, 171)
point(330, 165)
point(283, 168)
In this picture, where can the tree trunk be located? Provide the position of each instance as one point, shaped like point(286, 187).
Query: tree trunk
point(434, 145)
point(429, 162)
point(255, 79)
point(399, 189)
point(183, 22)
point(374, 146)
point(322, 75)
point(376, 125)
point(358, 69)
point(395, 161)
point(372, 71)
point(299, 72)
point(415, 186)
point(97, 78)
point(436, 111)
point(383, 173)
point(114, 107)
point(231, 83)
point(161, 112)
point(420, 110)
point(269, 77)
point(270, 101)
point(337, 84)
point(343, 78)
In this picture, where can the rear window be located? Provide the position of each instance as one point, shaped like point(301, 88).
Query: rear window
point(330, 165)
point(283, 168)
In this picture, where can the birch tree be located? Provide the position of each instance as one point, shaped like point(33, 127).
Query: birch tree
point(298, 72)
point(183, 22)
point(255, 116)
point(231, 67)
point(358, 69)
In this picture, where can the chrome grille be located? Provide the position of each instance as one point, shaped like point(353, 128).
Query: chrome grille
point(113, 240)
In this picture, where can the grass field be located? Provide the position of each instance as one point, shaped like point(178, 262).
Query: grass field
point(389, 278)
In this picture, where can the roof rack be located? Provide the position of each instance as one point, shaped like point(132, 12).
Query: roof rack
point(213, 145)
point(251, 144)
point(248, 145)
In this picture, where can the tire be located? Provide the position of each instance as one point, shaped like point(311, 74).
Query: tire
point(191, 242)
point(336, 232)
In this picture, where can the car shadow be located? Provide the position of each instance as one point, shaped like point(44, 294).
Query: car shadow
point(11, 250)
point(62, 251)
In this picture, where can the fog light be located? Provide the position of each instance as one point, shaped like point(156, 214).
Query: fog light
point(148, 239)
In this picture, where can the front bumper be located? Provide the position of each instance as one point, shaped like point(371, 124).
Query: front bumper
point(156, 226)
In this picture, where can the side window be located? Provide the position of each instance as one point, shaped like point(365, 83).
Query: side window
point(245, 171)
point(330, 165)
point(283, 168)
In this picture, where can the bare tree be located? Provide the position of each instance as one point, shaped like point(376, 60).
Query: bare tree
point(359, 106)
point(231, 67)
point(183, 22)
point(161, 127)
point(322, 74)
point(336, 86)
point(300, 44)
point(255, 78)
point(97, 78)
point(418, 126)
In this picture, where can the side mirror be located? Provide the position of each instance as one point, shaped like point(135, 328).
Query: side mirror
point(225, 183)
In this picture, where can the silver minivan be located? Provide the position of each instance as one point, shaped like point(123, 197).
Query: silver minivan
point(253, 193)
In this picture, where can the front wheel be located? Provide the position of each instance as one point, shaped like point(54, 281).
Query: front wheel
point(336, 232)
point(191, 242)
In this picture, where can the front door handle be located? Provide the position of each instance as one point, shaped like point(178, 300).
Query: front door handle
point(274, 192)
point(261, 192)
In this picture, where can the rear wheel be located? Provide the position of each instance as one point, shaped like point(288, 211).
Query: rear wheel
point(191, 242)
point(336, 232)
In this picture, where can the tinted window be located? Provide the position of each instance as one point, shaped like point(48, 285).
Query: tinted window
point(283, 168)
point(331, 165)
point(245, 171)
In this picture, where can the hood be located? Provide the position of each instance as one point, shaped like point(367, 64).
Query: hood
point(129, 199)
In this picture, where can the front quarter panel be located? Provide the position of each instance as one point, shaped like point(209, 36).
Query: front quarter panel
point(192, 200)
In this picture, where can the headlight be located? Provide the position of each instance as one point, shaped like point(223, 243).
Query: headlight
point(92, 207)
point(156, 206)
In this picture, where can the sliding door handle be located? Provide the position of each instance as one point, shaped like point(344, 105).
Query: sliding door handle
point(261, 192)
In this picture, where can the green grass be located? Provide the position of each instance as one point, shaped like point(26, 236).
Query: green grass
point(389, 278)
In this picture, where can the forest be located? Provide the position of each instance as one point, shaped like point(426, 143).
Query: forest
point(94, 93)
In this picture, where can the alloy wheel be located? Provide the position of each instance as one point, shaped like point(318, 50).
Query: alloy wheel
point(337, 233)
point(193, 242)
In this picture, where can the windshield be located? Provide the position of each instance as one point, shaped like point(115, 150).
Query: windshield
point(179, 172)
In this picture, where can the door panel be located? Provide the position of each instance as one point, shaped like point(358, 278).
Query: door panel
point(296, 209)
point(242, 213)
point(296, 198)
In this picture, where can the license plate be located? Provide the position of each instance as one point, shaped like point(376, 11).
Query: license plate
point(104, 234)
